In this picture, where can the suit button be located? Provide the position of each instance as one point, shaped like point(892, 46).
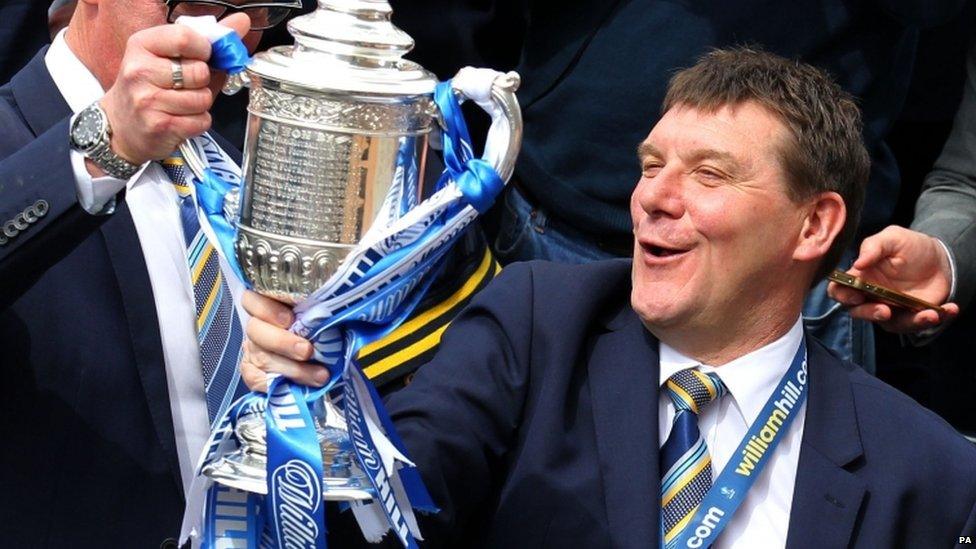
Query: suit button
point(169, 543)
point(40, 208)
point(10, 229)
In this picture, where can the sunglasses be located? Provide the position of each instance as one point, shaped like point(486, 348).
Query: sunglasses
point(264, 15)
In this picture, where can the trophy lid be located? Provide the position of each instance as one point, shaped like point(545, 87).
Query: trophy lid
point(346, 46)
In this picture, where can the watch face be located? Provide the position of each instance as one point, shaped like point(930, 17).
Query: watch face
point(87, 130)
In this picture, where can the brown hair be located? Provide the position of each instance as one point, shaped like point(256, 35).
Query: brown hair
point(827, 150)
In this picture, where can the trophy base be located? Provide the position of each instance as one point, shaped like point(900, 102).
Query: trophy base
point(246, 467)
point(248, 472)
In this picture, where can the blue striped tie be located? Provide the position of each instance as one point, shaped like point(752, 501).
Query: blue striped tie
point(685, 463)
point(219, 331)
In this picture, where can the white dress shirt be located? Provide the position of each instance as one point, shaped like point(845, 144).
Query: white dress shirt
point(154, 206)
point(764, 517)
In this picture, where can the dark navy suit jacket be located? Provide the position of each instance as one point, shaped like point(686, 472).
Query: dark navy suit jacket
point(89, 455)
point(536, 426)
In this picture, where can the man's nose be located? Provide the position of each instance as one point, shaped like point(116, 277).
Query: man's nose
point(661, 195)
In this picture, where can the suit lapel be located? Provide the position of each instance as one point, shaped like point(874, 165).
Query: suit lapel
point(827, 497)
point(623, 377)
point(43, 106)
point(125, 252)
point(38, 98)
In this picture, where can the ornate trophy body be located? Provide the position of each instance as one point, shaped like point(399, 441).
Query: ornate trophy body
point(338, 124)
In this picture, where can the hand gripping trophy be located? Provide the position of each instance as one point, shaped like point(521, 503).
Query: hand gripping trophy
point(326, 215)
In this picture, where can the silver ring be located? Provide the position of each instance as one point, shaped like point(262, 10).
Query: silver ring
point(177, 67)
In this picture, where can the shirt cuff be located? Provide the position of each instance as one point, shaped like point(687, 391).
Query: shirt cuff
point(95, 195)
point(923, 337)
point(952, 270)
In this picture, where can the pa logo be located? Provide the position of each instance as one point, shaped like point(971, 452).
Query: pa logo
point(729, 493)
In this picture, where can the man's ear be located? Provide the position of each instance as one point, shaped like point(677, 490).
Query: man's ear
point(825, 217)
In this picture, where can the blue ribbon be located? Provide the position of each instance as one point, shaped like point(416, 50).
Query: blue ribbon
point(477, 180)
point(229, 54)
point(295, 505)
point(210, 198)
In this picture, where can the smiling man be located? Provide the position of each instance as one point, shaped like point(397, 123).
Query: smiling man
point(674, 399)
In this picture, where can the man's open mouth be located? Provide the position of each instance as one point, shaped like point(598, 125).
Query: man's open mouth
point(659, 251)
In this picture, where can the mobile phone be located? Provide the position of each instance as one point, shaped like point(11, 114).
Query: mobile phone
point(883, 294)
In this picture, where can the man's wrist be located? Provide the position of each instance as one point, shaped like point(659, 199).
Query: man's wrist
point(93, 169)
point(90, 134)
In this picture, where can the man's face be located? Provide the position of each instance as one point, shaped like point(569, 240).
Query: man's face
point(714, 228)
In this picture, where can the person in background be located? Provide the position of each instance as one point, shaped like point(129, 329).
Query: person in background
point(936, 259)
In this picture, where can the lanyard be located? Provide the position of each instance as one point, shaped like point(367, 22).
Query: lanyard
point(730, 488)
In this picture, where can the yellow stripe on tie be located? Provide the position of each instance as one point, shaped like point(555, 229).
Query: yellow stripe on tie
point(428, 342)
point(687, 477)
point(707, 382)
point(679, 526)
point(201, 262)
point(683, 395)
point(416, 323)
point(205, 312)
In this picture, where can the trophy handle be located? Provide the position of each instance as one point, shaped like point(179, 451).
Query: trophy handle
point(505, 134)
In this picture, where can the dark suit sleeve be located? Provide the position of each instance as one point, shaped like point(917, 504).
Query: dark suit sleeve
point(968, 535)
point(946, 209)
point(39, 173)
point(459, 417)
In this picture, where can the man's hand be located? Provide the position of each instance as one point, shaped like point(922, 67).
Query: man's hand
point(270, 347)
point(907, 261)
point(150, 118)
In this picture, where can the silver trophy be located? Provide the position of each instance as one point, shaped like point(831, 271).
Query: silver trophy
point(331, 121)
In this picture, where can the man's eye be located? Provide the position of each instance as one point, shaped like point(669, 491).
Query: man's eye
point(651, 170)
point(709, 175)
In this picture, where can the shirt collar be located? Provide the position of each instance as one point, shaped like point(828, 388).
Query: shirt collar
point(76, 83)
point(750, 378)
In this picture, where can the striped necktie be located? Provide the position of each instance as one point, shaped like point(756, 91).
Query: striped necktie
point(685, 462)
point(219, 331)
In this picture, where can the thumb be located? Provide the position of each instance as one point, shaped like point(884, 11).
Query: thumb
point(240, 22)
point(874, 249)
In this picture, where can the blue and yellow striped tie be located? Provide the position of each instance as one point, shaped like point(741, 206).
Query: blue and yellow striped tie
point(685, 463)
point(219, 331)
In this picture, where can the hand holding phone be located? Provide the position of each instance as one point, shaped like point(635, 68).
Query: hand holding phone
point(900, 281)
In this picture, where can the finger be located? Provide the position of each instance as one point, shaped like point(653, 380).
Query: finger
point(278, 340)
point(267, 309)
point(254, 378)
point(240, 22)
point(872, 312)
point(874, 249)
point(196, 74)
point(191, 125)
point(184, 102)
point(305, 373)
point(847, 296)
point(164, 72)
point(171, 41)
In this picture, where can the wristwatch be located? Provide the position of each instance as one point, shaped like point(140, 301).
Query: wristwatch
point(90, 134)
